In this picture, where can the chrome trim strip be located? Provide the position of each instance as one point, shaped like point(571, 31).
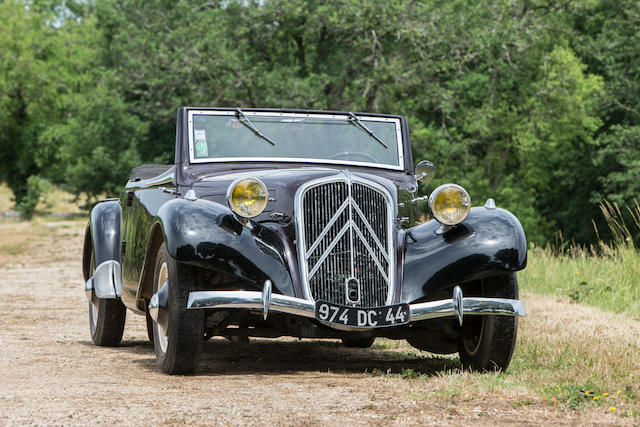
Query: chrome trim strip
point(333, 244)
point(370, 230)
point(192, 159)
point(266, 298)
point(371, 253)
point(327, 228)
point(458, 303)
point(107, 280)
point(349, 179)
point(258, 301)
point(351, 227)
point(250, 300)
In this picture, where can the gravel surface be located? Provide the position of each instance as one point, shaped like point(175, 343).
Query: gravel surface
point(51, 373)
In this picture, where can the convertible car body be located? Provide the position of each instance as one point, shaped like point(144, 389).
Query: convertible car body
point(301, 223)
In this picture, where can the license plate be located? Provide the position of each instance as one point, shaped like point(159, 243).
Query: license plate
point(375, 317)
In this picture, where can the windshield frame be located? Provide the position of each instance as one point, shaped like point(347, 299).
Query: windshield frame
point(301, 115)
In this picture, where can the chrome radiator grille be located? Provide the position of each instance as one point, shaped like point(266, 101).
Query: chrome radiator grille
point(345, 242)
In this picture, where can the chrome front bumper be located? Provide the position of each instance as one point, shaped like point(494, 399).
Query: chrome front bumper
point(265, 301)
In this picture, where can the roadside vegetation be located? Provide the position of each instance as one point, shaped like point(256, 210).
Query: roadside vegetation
point(567, 355)
point(51, 200)
point(604, 275)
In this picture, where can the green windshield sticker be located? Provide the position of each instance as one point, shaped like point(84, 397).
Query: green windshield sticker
point(201, 149)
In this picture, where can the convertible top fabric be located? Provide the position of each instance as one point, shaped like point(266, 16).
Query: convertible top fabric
point(148, 171)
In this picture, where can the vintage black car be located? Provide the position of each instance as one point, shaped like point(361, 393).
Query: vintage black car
point(301, 223)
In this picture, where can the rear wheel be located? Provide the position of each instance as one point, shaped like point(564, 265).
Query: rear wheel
point(486, 342)
point(178, 346)
point(106, 317)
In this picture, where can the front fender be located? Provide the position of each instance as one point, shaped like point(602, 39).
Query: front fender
point(206, 234)
point(487, 242)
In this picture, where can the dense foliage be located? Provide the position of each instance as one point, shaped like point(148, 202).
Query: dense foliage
point(533, 102)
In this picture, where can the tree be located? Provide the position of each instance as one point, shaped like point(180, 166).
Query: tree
point(29, 90)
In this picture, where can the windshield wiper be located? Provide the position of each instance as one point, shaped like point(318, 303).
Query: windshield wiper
point(354, 119)
point(245, 121)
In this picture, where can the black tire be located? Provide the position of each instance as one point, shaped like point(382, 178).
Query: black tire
point(358, 342)
point(179, 351)
point(149, 322)
point(486, 342)
point(106, 318)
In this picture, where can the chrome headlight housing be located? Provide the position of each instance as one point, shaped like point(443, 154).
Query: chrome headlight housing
point(247, 197)
point(450, 204)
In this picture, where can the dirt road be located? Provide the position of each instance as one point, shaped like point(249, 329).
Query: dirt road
point(50, 372)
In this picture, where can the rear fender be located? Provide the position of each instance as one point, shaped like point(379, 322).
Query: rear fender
point(487, 242)
point(104, 232)
point(105, 223)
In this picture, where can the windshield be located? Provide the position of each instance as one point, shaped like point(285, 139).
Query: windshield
point(316, 138)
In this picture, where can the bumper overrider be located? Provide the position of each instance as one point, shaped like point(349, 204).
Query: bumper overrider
point(458, 306)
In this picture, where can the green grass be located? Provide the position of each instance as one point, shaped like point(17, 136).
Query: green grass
point(606, 276)
point(609, 280)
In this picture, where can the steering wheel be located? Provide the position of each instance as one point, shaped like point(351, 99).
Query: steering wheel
point(349, 155)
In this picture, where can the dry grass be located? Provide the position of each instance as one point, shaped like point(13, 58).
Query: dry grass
point(5, 197)
point(25, 241)
point(17, 238)
point(56, 200)
point(563, 351)
point(567, 355)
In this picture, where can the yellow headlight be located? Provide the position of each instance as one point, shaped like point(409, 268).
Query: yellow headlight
point(247, 197)
point(450, 204)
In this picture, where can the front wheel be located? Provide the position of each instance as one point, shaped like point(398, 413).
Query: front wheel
point(486, 342)
point(178, 345)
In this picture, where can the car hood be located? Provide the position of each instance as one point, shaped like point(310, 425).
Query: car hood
point(282, 185)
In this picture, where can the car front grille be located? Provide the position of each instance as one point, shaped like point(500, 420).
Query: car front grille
point(345, 241)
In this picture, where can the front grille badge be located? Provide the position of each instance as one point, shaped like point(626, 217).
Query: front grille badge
point(353, 290)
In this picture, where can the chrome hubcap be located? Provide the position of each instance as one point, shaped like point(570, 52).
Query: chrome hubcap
point(93, 314)
point(161, 335)
point(472, 344)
